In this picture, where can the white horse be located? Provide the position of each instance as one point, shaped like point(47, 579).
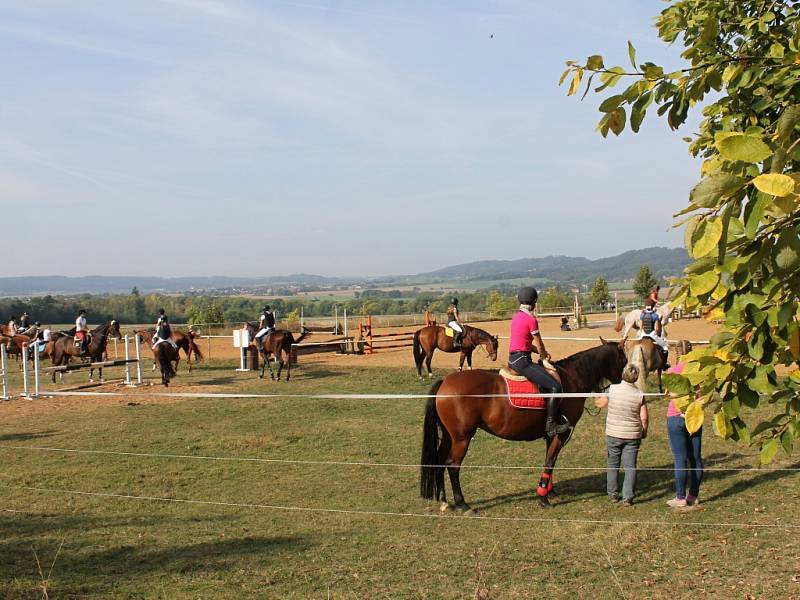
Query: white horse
point(630, 319)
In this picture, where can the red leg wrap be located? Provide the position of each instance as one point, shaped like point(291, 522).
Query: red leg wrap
point(545, 485)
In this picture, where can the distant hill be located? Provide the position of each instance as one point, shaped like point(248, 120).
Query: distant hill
point(102, 284)
point(663, 262)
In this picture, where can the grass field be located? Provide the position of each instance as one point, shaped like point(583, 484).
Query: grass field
point(279, 543)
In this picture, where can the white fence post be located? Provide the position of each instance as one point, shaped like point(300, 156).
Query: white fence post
point(616, 307)
point(127, 364)
point(4, 370)
point(25, 384)
point(137, 341)
point(35, 367)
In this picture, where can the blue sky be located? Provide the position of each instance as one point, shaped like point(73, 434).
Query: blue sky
point(337, 137)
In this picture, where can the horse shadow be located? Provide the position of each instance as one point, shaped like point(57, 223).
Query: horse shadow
point(650, 485)
point(23, 437)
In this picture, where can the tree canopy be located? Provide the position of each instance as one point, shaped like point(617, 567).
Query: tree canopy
point(742, 69)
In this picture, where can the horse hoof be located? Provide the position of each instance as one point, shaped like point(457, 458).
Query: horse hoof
point(463, 508)
point(471, 512)
point(430, 375)
point(261, 376)
point(444, 507)
point(544, 502)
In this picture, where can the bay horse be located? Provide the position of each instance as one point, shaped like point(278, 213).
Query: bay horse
point(278, 343)
point(628, 321)
point(64, 347)
point(184, 341)
point(646, 355)
point(429, 338)
point(463, 402)
point(165, 354)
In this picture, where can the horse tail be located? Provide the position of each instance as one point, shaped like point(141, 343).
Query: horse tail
point(417, 350)
point(637, 359)
point(620, 324)
point(193, 347)
point(429, 486)
point(163, 360)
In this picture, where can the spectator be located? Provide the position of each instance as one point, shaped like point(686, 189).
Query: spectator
point(565, 324)
point(626, 427)
point(687, 453)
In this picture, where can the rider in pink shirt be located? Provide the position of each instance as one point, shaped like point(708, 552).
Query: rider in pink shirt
point(524, 338)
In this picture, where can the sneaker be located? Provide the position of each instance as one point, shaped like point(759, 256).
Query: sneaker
point(677, 503)
point(613, 499)
point(627, 502)
point(692, 500)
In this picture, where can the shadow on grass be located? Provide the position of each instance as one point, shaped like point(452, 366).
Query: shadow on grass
point(650, 484)
point(30, 435)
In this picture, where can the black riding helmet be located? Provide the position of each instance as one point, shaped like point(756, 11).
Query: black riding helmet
point(528, 295)
point(162, 311)
point(266, 308)
point(454, 301)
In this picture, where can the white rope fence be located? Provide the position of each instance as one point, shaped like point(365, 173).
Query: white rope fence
point(342, 463)
point(379, 513)
point(331, 396)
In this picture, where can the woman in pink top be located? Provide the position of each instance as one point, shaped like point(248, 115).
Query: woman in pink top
point(686, 450)
point(524, 337)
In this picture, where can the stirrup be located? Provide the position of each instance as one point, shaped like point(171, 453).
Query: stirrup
point(553, 428)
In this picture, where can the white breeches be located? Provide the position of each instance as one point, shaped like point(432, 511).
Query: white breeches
point(262, 332)
point(659, 341)
point(455, 326)
point(157, 340)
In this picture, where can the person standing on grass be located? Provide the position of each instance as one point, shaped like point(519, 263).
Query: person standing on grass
point(686, 451)
point(626, 427)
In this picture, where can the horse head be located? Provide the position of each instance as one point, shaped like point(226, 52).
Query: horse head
point(113, 329)
point(495, 344)
point(618, 359)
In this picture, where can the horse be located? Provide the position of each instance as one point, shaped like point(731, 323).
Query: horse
point(165, 354)
point(429, 338)
point(184, 341)
point(647, 356)
point(464, 401)
point(64, 347)
point(629, 320)
point(277, 343)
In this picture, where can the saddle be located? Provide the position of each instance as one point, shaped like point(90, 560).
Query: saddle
point(521, 392)
point(510, 374)
point(449, 331)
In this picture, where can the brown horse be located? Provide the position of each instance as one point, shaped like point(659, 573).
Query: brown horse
point(64, 347)
point(646, 355)
point(165, 354)
point(184, 341)
point(429, 338)
point(466, 401)
point(277, 344)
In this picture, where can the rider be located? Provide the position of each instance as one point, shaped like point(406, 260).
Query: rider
point(163, 330)
point(524, 337)
point(266, 323)
point(454, 322)
point(653, 295)
point(81, 331)
point(24, 321)
point(12, 327)
point(650, 326)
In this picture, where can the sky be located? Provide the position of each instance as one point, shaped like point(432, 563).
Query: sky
point(334, 137)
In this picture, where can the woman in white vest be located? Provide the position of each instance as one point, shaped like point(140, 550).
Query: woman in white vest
point(626, 427)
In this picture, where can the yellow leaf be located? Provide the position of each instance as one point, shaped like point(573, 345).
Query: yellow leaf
point(694, 416)
point(722, 425)
point(682, 403)
point(794, 344)
point(576, 82)
point(722, 354)
point(774, 184)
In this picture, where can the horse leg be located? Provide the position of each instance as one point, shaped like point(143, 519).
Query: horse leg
point(660, 389)
point(461, 358)
point(428, 359)
point(288, 364)
point(269, 366)
point(457, 452)
point(546, 480)
point(469, 360)
point(444, 452)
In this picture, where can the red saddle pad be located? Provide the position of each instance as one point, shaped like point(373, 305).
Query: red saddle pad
point(517, 399)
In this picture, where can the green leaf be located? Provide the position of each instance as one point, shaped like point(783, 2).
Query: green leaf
point(787, 251)
point(594, 62)
point(632, 54)
point(740, 430)
point(747, 396)
point(774, 184)
point(787, 440)
point(611, 103)
point(564, 75)
point(739, 146)
point(677, 383)
point(731, 71)
point(711, 190)
point(576, 82)
point(776, 51)
point(708, 236)
point(703, 283)
point(768, 450)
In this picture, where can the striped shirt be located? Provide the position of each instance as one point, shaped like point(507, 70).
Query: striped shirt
point(624, 405)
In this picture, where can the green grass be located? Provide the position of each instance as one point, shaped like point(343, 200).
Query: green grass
point(129, 548)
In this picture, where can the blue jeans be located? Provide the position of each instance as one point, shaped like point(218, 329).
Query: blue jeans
point(686, 450)
point(629, 451)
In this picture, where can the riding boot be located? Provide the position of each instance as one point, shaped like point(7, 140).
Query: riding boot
point(554, 425)
point(665, 358)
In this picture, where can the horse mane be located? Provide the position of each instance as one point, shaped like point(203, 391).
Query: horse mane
point(585, 363)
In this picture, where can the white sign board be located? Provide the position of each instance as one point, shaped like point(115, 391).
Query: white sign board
point(241, 338)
